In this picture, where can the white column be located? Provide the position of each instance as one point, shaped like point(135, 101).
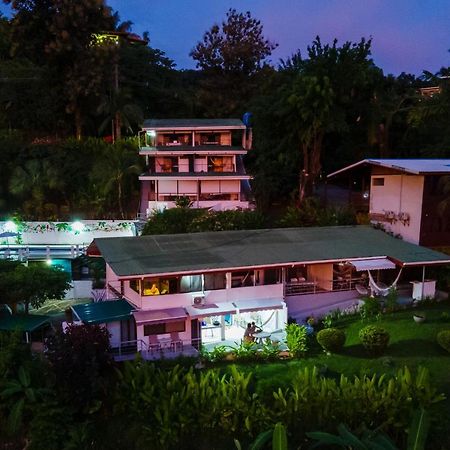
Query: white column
point(423, 283)
point(222, 327)
point(228, 280)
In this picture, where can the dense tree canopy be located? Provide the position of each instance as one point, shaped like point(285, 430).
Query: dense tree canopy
point(61, 77)
point(32, 284)
point(232, 56)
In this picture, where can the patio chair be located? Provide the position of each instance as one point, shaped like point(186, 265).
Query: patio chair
point(154, 344)
point(362, 290)
point(177, 343)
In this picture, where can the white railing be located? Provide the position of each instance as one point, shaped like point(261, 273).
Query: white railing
point(129, 348)
point(165, 348)
point(315, 286)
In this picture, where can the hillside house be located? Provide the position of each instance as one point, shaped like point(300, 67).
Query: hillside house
point(408, 197)
point(200, 159)
point(187, 289)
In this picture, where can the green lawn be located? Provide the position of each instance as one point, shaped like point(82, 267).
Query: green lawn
point(411, 344)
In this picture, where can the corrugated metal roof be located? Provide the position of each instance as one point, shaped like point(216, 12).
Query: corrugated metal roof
point(191, 123)
point(22, 322)
point(196, 252)
point(103, 312)
point(413, 166)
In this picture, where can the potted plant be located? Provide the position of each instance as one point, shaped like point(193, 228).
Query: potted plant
point(419, 317)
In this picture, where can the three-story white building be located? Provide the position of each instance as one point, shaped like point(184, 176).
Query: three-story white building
point(200, 159)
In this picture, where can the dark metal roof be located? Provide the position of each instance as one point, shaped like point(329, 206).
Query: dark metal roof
point(103, 312)
point(191, 123)
point(22, 322)
point(196, 252)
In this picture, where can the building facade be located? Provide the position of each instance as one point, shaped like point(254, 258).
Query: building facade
point(205, 287)
point(199, 159)
point(409, 197)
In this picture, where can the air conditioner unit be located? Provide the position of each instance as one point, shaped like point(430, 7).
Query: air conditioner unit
point(198, 300)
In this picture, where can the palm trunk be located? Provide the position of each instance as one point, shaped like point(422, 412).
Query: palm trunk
point(315, 162)
point(118, 125)
point(78, 123)
point(304, 174)
point(119, 196)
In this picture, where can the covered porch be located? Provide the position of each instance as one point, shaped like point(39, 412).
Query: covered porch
point(227, 322)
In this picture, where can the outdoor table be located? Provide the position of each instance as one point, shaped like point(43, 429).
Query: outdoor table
point(211, 328)
point(260, 336)
point(165, 342)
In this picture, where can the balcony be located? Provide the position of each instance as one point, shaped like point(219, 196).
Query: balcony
point(314, 286)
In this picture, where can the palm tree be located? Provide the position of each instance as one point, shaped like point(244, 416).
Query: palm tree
point(33, 179)
point(22, 396)
point(121, 160)
point(120, 110)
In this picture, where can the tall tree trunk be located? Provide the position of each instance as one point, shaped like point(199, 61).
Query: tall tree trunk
point(78, 123)
point(118, 126)
point(119, 197)
point(304, 173)
point(315, 165)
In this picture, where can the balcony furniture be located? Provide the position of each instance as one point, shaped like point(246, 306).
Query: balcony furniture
point(301, 287)
point(165, 342)
point(155, 347)
point(212, 328)
point(261, 336)
point(176, 345)
point(362, 290)
point(424, 289)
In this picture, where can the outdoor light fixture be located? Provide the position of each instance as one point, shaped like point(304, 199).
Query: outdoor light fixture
point(49, 262)
point(10, 226)
point(77, 226)
point(151, 133)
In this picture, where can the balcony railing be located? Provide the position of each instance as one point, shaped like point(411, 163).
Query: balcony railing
point(314, 286)
point(164, 348)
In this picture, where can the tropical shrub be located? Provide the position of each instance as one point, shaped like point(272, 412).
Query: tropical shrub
point(370, 308)
point(331, 339)
point(323, 403)
point(171, 408)
point(81, 361)
point(374, 339)
point(269, 351)
point(246, 351)
point(297, 339)
point(392, 300)
point(216, 354)
point(443, 339)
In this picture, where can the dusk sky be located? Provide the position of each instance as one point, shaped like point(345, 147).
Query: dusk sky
point(408, 35)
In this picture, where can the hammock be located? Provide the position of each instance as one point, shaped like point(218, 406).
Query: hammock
point(380, 290)
point(262, 325)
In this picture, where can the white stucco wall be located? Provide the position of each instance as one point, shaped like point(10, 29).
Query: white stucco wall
point(114, 330)
point(399, 194)
point(80, 289)
point(56, 233)
point(155, 302)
